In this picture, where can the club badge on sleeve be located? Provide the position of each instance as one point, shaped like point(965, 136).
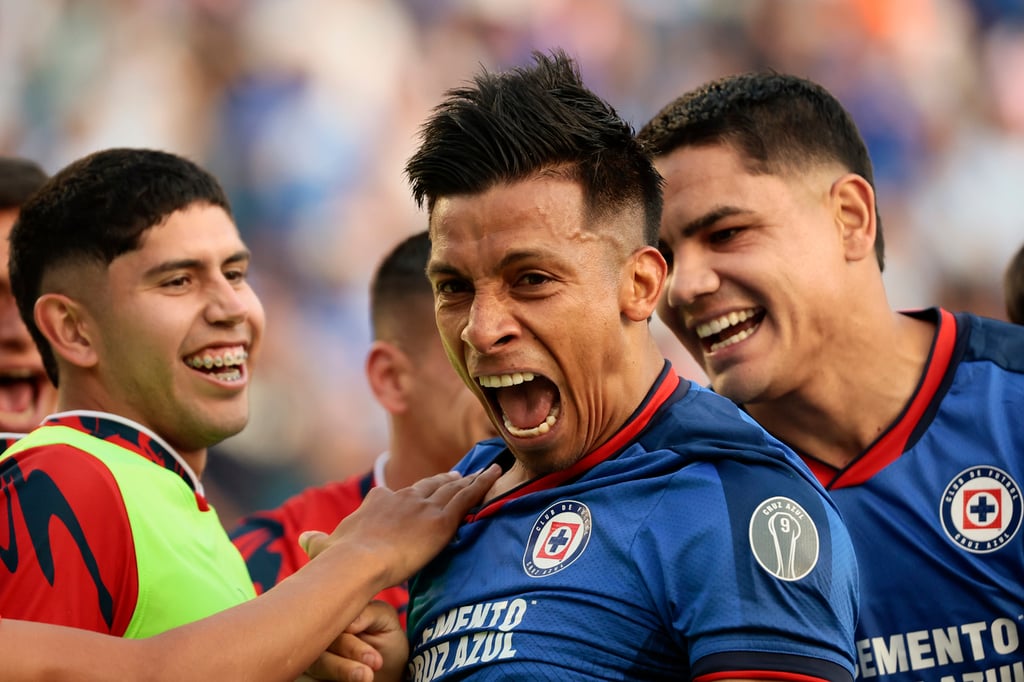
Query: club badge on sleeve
point(784, 538)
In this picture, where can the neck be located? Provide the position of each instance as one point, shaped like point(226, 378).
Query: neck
point(515, 476)
point(412, 459)
point(855, 396)
point(196, 461)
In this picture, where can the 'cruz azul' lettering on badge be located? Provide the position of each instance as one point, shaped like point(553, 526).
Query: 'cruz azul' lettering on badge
point(784, 538)
point(558, 538)
point(981, 509)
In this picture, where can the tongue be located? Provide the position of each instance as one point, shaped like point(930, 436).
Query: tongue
point(16, 396)
point(528, 404)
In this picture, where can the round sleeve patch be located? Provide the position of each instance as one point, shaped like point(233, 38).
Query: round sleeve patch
point(784, 538)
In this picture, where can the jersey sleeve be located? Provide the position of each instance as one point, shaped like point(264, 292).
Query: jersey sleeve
point(270, 554)
point(66, 545)
point(760, 581)
point(269, 540)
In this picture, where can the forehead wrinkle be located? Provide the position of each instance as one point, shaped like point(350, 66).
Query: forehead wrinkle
point(514, 257)
point(437, 267)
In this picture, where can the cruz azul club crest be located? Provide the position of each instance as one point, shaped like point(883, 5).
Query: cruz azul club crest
point(981, 509)
point(558, 538)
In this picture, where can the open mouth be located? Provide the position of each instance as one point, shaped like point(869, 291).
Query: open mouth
point(729, 329)
point(20, 390)
point(224, 364)
point(529, 404)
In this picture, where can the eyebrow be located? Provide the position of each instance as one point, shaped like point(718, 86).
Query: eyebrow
point(435, 269)
point(710, 218)
point(242, 256)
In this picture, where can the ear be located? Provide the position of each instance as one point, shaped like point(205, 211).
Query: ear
point(853, 200)
point(65, 324)
point(641, 288)
point(387, 370)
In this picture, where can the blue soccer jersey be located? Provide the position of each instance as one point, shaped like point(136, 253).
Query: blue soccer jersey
point(934, 508)
point(692, 545)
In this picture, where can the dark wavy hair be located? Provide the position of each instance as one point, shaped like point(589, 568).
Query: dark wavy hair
point(778, 122)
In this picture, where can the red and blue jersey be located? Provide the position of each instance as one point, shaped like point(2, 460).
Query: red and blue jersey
point(7, 439)
point(935, 506)
point(269, 540)
point(692, 545)
point(67, 552)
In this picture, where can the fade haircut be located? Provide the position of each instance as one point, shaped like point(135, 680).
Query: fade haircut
point(19, 179)
point(779, 123)
point(1013, 284)
point(509, 126)
point(94, 210)
point(400, 289)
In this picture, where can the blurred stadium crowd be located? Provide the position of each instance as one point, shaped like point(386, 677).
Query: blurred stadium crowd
point(307, 110)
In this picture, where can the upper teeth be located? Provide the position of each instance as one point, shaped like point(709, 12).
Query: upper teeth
point(503, 380)
point(21, 373)
point(225, 360)
point(719, 323)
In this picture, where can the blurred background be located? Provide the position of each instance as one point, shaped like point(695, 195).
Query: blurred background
point(307, 110)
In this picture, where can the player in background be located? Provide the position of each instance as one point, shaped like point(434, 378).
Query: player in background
point(643, 528)
point(912, 420)
point(1013, 287)
point(26, 394)
point(130, 274)
point(433, 420)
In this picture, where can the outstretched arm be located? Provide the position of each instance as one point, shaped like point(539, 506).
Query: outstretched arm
point(280, 633)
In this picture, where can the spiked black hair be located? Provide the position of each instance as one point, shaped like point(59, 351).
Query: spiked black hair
point(511, 125)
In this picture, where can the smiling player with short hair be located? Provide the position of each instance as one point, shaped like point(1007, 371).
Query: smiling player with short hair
point(132, 277)
point(910, 419)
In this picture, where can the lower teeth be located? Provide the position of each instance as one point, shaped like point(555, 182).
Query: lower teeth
point(735, 338)
point(538, 430)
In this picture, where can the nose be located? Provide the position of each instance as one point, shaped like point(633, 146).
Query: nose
point(690, 277)
point(228, 303)
point(490, 324)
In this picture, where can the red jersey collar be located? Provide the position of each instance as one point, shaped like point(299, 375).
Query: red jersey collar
point(893, 441)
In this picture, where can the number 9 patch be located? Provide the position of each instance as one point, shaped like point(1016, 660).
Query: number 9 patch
point(784, 538)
